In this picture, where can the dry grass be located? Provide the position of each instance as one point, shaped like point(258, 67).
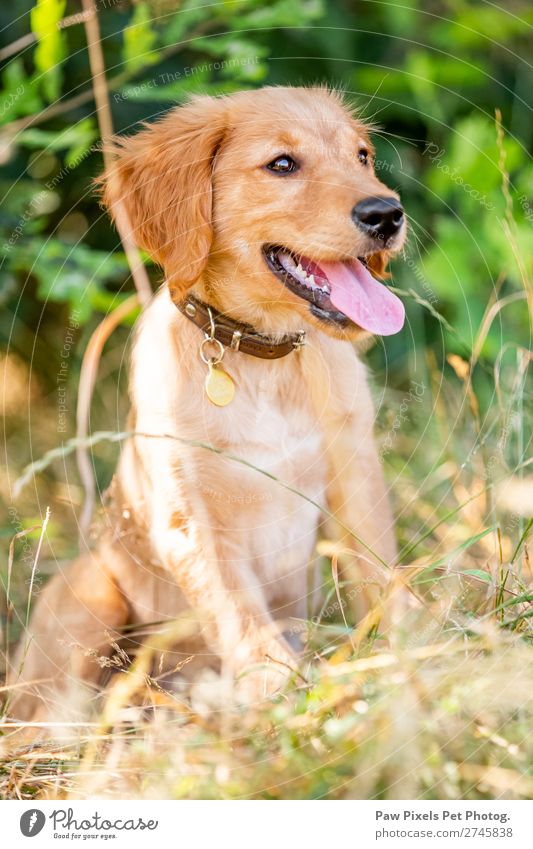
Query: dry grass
point(443, 711)
point(450, 719)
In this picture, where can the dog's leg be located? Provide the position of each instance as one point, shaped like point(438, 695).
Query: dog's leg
point(358, 498)
point(210, 567)
point(356, 493)
point(70, 634)
point(232, 615)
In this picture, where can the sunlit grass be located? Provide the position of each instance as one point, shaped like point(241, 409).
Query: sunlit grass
point(442, 709)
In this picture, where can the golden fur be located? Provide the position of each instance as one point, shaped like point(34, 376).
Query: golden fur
point(190, 529)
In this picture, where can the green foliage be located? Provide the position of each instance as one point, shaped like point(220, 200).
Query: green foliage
point(51, 44)
point(73, 275)
point(221, 52)
point(20, 94)
point(75, 140)
point(139, 40)
point(470, 247)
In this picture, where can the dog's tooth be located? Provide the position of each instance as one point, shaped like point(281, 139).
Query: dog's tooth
point(311, 279)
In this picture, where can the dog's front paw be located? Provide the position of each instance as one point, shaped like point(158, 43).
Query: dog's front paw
point(267, 672)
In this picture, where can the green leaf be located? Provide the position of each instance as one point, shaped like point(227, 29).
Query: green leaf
point(425, 577)
point(20, 95)
point(139, 40)
point(166, 86)
point(230, 45)
point(478, 573)
point(284, 13)
point(76, 140)
point(51, 44)
point(74, 275)
point(420, 76)
point(191, 13)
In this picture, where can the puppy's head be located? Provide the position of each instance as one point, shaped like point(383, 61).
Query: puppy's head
point(268, 203)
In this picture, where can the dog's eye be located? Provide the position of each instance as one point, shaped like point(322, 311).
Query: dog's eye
point(282, 165)
point(363, 156)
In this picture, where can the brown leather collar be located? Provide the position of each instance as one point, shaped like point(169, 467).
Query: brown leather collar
point(238, 336)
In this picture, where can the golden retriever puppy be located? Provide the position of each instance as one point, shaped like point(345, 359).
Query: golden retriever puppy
point(264, 210)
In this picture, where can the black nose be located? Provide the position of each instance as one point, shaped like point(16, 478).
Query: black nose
point(379, 217)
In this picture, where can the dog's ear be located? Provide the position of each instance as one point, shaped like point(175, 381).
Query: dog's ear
point(162, 177)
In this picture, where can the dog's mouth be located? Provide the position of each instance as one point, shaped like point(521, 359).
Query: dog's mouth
point(339, 292)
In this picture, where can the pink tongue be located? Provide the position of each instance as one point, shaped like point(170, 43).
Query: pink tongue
point(362, 298)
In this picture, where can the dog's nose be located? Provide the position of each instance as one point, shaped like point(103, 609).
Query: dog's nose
point(380, 217)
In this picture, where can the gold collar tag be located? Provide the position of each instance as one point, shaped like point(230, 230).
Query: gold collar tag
point(219, 385)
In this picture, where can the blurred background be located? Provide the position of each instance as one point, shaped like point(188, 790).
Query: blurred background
point(447, 84)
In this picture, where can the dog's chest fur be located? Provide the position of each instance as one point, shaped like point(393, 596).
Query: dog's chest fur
point(263, 526)
point(269, 424)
